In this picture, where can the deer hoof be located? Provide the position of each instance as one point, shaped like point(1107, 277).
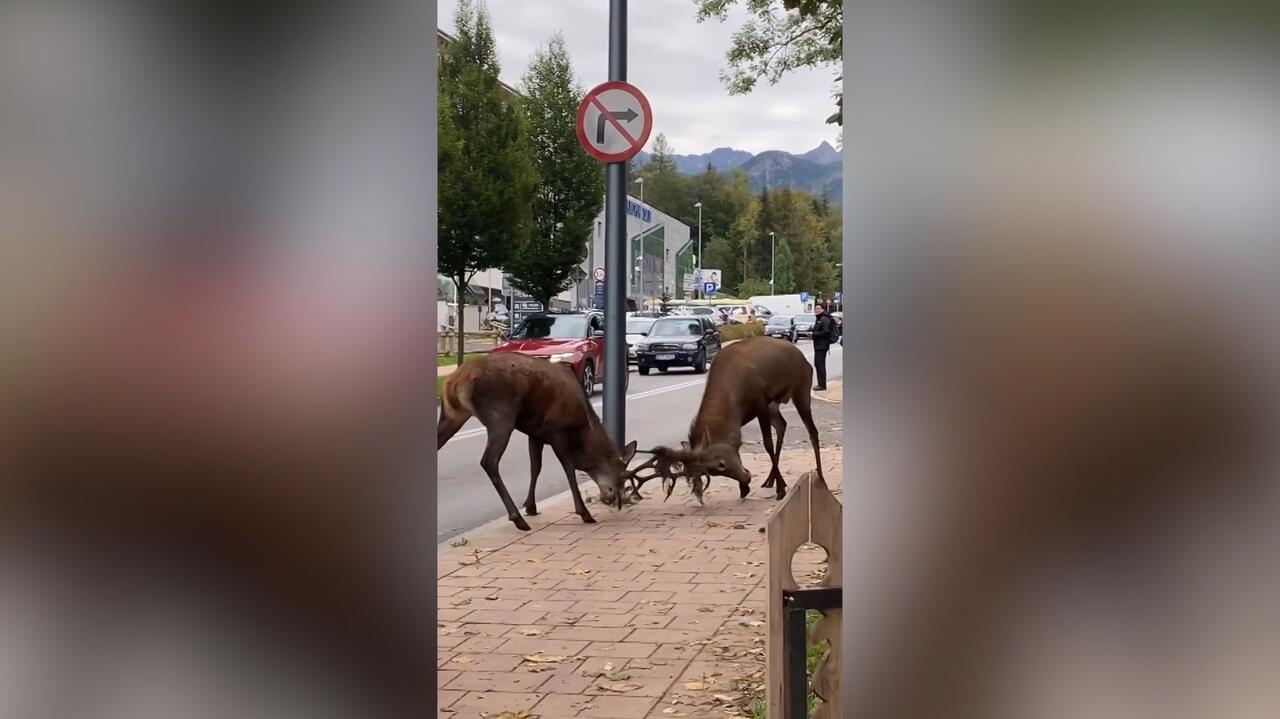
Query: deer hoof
point(768, 483)
point(520, 523)
point(743, 489)
point(531, 510)
point(587, 518)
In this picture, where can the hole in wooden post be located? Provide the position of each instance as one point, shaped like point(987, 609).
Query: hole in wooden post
point(809, 565)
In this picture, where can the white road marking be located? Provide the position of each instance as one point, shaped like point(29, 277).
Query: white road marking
point(599, 406)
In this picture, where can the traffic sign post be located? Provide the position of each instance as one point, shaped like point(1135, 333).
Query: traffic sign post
point(709, 290)
point(614, 123)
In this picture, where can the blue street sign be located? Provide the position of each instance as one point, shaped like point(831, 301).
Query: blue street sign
point(599, 294)
point(804, 296)
point(709, 289)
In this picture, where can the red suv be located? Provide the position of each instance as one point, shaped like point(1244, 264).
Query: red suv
point(574, 339)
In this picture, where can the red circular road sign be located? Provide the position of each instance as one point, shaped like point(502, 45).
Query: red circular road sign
point(614, 121)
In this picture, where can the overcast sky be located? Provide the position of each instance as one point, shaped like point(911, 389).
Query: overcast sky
point(676, 62)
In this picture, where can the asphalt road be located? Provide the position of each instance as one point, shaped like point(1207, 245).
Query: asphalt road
point(659, 410)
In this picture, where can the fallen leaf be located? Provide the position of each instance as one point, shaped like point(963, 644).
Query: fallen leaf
point(622, 688)
point(462, 660)
point(460, 602)
point(531, 632)
point(618, 677)
point(672, 711)
point(542, 659)
point(697, 686)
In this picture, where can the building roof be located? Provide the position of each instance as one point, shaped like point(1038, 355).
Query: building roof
point(443, 38)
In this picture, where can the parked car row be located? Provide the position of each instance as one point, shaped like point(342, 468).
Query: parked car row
point(688, 337)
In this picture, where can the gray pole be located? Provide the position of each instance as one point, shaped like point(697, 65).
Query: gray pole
point(615, 254)
point(773, 259)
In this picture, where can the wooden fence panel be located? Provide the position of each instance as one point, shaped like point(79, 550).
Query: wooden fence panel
point(810, 513)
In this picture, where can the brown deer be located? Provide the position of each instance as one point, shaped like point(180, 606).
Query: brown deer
point(749, 380)
point(509, 392)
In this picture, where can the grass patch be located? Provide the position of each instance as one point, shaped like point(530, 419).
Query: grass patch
point(452, 359)
point(728, 333)
point(813, 655)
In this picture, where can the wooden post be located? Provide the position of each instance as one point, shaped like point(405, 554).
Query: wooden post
point(810, 513)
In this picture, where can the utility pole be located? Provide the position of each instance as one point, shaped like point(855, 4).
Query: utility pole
point(773, 261)
point(640, 182)
point(615, 246)
point(697, 278)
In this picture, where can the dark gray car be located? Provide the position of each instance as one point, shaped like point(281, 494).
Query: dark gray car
point(688, 341)
point(782, 327)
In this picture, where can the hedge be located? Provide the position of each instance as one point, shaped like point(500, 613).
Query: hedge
point(738, 331)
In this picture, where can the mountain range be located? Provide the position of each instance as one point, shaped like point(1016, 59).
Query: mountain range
point(817, 171)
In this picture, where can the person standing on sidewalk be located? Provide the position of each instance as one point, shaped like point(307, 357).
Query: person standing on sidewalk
point(824, 330)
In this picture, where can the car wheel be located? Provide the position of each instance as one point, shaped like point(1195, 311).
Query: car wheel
point(644, 370)
point(700, 362)
point(588, 380)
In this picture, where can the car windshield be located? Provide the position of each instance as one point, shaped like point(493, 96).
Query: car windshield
point(780, 320)
point(639, 325)
point(806, 318)
point(676, 328)
point(555, 327)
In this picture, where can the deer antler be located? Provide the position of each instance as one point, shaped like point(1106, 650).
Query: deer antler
point(670, 465)
point(661, 464)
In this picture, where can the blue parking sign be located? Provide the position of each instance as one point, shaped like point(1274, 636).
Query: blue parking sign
point(709, 289)
point(804, 296)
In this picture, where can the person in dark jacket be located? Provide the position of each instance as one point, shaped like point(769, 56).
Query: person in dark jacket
point(824, 333)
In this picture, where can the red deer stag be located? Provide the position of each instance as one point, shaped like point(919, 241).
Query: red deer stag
point(511, 392)
point(749, 380)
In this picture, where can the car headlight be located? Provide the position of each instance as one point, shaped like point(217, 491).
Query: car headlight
point(689, 346)
point(563, 357)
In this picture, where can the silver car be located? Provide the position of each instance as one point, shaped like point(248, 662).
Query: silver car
point(637, 331)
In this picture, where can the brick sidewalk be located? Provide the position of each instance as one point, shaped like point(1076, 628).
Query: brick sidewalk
point(656, 611)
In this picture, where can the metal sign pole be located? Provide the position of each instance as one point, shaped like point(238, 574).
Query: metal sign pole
point(615, 262)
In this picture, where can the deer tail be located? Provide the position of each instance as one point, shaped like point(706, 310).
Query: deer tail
point(455, 396)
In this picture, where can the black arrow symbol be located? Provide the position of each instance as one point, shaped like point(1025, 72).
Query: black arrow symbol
point(626, 116)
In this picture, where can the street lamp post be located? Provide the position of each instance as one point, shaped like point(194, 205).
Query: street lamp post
point(640, 182)
point(697, 288)
point(773, 260)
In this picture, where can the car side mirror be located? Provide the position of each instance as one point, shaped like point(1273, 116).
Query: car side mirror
point(709, 331)
point(597, 333)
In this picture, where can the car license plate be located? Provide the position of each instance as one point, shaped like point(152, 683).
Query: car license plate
point(665, 357)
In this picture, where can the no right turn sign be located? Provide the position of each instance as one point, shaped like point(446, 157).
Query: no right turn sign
point(614, 122)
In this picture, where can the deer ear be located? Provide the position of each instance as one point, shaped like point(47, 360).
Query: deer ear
point(628, 452)
point(685, 446)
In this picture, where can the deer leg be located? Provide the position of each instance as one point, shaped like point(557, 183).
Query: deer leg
point(579, 506)
point(767, 437)
point(802, 402)
point(780, 424)
point(499, 436)
point(535, 468)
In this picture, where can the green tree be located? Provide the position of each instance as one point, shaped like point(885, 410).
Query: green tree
point(779, 37)
point(486, 173)
point(570, 188)
point(753, 287)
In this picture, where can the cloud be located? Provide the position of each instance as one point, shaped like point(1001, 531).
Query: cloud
point(677, 63)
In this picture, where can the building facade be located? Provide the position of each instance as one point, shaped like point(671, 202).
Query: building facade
point(660, 252)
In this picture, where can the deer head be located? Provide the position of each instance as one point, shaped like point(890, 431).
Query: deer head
point(610, 475)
